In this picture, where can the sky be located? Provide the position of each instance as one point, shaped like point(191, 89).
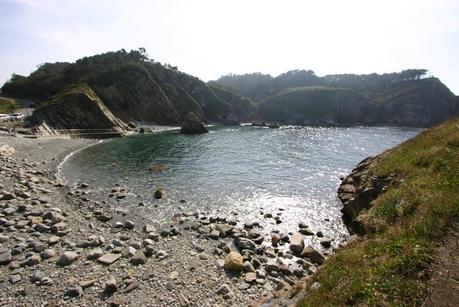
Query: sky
point(211, 38)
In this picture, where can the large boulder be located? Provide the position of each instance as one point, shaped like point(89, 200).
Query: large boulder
point(296, 243)
point(192, 125)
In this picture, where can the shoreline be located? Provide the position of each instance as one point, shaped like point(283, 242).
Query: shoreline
point(61, 163)
point(53, 237)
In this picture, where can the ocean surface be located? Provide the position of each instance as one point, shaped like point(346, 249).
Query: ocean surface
point(239, 172)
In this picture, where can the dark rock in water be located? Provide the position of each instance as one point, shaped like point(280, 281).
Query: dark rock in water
point(192, 125)
point(159, 193)
point(273, 126)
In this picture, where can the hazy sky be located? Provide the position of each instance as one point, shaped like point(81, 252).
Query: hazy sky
point(209, 38)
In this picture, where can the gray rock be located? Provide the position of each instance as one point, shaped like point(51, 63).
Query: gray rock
point(68, 258)
point(130, 252)
point(132, 286)
point(7, 196)
point(223, 289)
point(87, 283)
point(40, 227)
point(15, 278)
point(28, 290)
point(248, 267)
point(313, 255)
point(33, 260)
point(296, 243)
point(243, 243)
point(111, 285)
point(4, 238)
point(250, 277)
point(214, 234)
point(173, 275)
point(160, 255)
point(95, 253)
point(192, 124)
point(109, 258)
point(53, 240)
point(184, 302)
point(5, 258)
point(139, 258)
point(39, 247)
point(46, 281)
point(128, 224)
point(37, 276)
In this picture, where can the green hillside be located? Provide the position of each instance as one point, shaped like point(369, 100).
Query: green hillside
point(389, 266)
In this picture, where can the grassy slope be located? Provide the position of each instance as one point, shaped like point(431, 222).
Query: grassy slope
point(389, 266)
point(7, 105)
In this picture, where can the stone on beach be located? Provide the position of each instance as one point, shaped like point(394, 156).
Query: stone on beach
point(68, 258)
point(234, 262)
point(109, 258)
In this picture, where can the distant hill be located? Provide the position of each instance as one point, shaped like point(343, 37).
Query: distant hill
point(126, 87)
point(130, 85)
point(407, 98)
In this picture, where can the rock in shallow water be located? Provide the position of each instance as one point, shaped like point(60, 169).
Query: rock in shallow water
point(192, 125)
point(296, 243)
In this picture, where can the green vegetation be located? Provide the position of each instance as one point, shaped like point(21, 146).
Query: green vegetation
point(317, 105)
point(258, 86)
point(389, 266)
point(133, 86)
point(408, 98)
point(7, 105)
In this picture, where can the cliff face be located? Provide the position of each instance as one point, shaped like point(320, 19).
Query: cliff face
point(317, 105)
point(422, 104)
point(408, 98)
point(79, 108)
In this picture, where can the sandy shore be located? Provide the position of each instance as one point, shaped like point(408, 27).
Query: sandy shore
point(54, 242)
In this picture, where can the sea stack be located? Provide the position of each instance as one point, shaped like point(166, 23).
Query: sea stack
point(193, 125)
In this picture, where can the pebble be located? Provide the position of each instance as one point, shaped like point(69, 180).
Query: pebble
point(109, 258)
point(95, 253)
point(5, 258)
point(132, 286)
point(139, 258)
point(233, 262)
point(33, 260)
point(111, 285)
point(15, 278)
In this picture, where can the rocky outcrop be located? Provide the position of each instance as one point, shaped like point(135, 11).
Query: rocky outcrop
point(193, 125)
point(78, 110)
point(357, 191)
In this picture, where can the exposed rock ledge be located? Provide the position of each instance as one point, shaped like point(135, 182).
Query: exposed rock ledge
point(357, 192)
